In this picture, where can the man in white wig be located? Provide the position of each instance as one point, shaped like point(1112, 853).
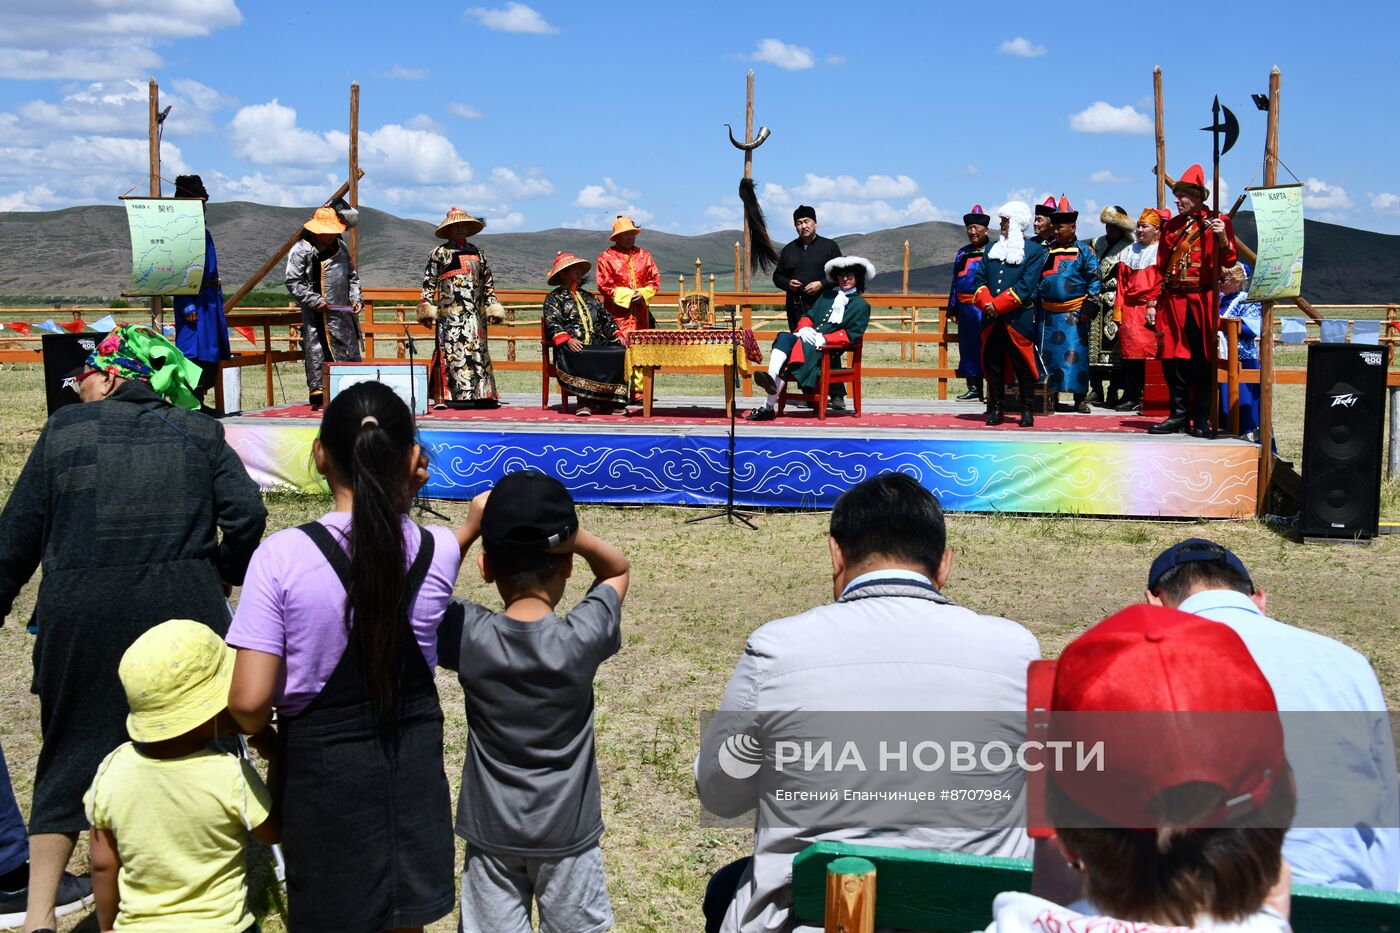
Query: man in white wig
point(1005, 289)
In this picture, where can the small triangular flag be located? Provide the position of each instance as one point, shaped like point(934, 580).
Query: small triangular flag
point(168, 330)
point(20, 327)
point(248, 335)
point(74, 327)
point(105, 325)
point(50, 326)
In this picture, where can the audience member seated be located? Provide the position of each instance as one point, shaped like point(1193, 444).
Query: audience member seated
point(1166, 838)
point(901, 644)
point(1309, 673)
point(838, 320)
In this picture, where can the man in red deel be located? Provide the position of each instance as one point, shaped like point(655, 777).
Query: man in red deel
point(1195, 245)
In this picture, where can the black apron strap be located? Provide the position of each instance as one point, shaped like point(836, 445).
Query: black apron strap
point(335, 555)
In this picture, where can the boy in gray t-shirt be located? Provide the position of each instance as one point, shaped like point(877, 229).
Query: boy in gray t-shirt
point(530, 807)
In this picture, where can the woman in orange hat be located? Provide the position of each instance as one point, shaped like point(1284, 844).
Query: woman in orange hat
point(1135, 306)
point(628, 280)
point(590, 358)
point(458, 285)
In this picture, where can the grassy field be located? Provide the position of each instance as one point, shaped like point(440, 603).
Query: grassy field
point(699, 590)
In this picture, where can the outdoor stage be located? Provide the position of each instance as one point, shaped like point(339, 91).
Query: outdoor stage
point(1098, 464)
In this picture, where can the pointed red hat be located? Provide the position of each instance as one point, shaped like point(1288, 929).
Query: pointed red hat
point(1046, 208)
point(977, 216)
point(1192, 180)
point(1064, 214)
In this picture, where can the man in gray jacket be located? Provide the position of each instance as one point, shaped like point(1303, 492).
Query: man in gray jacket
point(891, 642)
point(321, 277)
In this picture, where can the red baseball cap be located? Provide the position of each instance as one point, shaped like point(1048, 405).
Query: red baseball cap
point(1176, 699)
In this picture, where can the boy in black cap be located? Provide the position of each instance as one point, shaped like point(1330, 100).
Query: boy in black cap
point(530, 807)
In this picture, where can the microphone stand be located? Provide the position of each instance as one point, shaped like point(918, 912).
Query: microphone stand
point(420, 504)
point(729, 513)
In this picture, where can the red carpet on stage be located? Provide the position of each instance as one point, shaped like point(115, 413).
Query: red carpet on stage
point(664, 416)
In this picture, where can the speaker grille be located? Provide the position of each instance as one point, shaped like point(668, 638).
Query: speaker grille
point(1342, 440)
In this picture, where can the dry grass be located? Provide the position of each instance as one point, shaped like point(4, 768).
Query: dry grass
point(698, 590)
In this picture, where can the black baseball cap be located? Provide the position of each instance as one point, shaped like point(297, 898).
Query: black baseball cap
point(529, 510)
point(1190, 551)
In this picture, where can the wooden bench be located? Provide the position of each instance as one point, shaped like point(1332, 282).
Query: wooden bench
point(918, 889)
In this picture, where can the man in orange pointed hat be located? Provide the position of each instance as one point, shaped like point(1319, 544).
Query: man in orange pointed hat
point(628, 280)
point(1195, 245)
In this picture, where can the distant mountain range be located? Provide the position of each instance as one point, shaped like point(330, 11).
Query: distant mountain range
point(84, 253)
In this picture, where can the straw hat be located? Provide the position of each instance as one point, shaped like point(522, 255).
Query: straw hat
point(455, 216)
point(623, 224)
point(564, 261)
point(324, 221)
point(176, 677)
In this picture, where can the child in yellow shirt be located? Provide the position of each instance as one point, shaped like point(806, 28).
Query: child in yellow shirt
point(169, 810)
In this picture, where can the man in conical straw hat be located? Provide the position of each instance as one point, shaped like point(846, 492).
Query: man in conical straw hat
point(457, 282)
point(321, 277)
point(628, 280)
point(590, 358)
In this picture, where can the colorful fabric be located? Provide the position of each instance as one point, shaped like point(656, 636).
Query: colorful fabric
point(1011, 292)
point(1069, 296)
point(135, 351)
point(598, 371)
point(690, 348)
point(968, 315)
point(624, 275)
point(748, 344)
point(1064, 348)
point(206, 337)
point(459, 281)
point(1103, 349)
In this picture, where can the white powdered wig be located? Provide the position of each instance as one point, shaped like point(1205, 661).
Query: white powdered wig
point(848, 262)
point(1011, 248)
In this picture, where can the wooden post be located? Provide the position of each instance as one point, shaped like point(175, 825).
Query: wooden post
point(748, 173)
point(1161, 138)
point(153, 133)
point(850, 896)
point(355, 169)
point(738, 267)
point(1266, 324)
point(904, 345)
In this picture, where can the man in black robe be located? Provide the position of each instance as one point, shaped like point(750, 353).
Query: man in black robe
point(801, 275)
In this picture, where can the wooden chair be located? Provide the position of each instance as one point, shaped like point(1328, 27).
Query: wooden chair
point(920, 889)
point(548, 372)
point(830, 375)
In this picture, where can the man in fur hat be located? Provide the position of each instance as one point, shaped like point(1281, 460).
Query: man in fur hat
point(799, 275)
point(961, 305)
point(1103, 332)
point(1195, 245)
point(1069, 300)
point(1007, 282)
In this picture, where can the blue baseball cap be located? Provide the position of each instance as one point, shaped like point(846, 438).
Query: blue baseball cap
point(1190, 551)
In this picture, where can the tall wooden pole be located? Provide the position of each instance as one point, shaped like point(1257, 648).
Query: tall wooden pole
point(1161, 138)
point(153, 133)
point(1266, 324)
point(748, 173)
point(355, 168)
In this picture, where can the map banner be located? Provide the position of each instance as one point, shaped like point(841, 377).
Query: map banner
point(1278, 219)
point(167, 245)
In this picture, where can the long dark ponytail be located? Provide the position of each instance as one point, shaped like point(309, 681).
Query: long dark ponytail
point(368, 432)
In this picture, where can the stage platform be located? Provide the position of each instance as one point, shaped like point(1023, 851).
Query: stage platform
point(1101, 464)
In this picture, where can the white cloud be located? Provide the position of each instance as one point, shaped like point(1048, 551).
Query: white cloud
point(1101, 117)
point(1318, 195)
point(1385, 202)
point(532, 184)
point(846, 188)
point(610, 197)
point(1021, 47)
point(81, 169)
point(464, 111)
point(119, 108)
point(407, 74)
point(267, 134)
point(842, 204)
point(780, 53)
point(424, 122)
point(262, 189)
point(513, 17)
point(971, 169)
point(1106, 177)
point(93, 40)
point(37, 198)
point(835, 59)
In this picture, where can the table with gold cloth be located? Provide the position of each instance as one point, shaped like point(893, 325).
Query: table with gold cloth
point(689, 351)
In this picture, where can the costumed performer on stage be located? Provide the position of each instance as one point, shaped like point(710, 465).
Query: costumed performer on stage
point(1135, 307)
point(590, 357)
point(321, 277)
point(628, 280)
point(459, 298)
point(1196, 244)
point(201, 330)
point(1007, 281)
point(1069, 300)
point(1044, 232)
point(961, 305)
point(1103, 332)
point(836, 321)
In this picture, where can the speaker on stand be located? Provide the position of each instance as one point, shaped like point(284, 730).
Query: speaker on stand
point(1343, 424)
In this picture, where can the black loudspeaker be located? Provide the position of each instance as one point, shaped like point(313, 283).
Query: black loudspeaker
point(64, 353)
point(1342, 428)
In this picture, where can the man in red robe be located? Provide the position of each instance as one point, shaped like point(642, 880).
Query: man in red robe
point(1195, 245)
point(628, 280)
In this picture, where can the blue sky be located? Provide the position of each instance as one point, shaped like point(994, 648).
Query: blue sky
point(562, 114)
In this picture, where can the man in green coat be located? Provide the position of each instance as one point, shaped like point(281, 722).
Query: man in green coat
point(837, 321)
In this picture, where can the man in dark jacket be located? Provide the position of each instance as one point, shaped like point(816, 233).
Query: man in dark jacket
point(122, 501)
point(801, 275)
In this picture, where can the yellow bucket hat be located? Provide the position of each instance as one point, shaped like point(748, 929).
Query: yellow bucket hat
point(176, 677)
point(324, 221)
point(623, 224)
